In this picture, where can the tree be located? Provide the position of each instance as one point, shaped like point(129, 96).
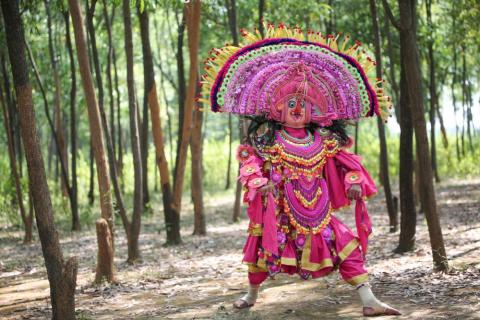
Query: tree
point(62, 275)
point(133, 229)
point(154, 106)
point(385, 177)
point(73, 123)
point(26, 219)
point(407, 26)
point(196, 148)
point(192, 13)
point(105, 224)
point(432, 90)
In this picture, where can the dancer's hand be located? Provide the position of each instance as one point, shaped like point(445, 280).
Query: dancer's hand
point(355, 192)
point(269, 187)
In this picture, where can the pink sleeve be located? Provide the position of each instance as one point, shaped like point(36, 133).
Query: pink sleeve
point(337, 168)
point(341, 171)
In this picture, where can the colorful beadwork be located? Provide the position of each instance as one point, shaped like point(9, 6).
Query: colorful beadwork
point(304, 195)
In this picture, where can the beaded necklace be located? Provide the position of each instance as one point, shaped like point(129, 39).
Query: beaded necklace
point(304, 142)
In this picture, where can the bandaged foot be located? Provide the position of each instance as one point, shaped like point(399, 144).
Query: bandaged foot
point(249, 299)
point(371, 305)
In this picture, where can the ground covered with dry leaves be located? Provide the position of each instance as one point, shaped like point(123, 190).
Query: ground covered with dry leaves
point(200, 278)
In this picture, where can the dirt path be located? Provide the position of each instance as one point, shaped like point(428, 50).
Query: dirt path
point(201, 278)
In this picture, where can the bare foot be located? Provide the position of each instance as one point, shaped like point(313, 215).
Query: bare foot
point(384, 310)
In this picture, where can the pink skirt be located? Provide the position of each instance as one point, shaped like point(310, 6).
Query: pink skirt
point(308, 255)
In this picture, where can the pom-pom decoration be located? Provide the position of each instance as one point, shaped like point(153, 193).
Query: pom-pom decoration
point(336, 79)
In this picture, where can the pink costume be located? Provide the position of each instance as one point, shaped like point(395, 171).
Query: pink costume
point(293, 229)
point(295, 81)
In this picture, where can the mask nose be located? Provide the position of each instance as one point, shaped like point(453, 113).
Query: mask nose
point(298, 107)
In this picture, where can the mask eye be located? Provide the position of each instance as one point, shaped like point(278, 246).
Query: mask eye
point(291, 103)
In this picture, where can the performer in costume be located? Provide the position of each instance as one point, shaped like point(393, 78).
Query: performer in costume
point(298, 94)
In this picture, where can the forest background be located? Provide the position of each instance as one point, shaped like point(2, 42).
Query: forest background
point(133, 47)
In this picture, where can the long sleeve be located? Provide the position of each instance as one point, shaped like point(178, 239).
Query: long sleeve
point(342, 171)
point(346, 164)
point(262, 226)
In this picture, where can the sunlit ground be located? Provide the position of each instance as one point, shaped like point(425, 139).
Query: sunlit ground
point(200, 278)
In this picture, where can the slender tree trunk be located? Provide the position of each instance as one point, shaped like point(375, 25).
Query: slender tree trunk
point(192, 13)
point(330, 25)
point(181, 92)
point(76, 226)
point(357, 138)
point(196, 147)
point(433, 90)
point(119, 123)
point(144, 126)
point(105, 266)
point(391, 69)
point(61, 146)
point(411, 64)
point(27, 220)
point(111, 100)
point(154, 105)
point(91, 180)
point(133, 250)
point(95, 56)
point(232, 22)
point(385, 176)
point(61, 275)
point(56, 139)
point(261, 11)
point(164, 93)
point(408, 219)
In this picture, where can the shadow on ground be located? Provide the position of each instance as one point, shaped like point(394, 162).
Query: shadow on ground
point(202, 277)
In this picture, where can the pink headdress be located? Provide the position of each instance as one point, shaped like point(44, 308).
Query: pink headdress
point(337, 81)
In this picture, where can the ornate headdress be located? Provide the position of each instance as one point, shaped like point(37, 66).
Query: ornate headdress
point(338, 81)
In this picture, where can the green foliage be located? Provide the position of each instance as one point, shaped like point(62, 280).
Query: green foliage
point(454, 25)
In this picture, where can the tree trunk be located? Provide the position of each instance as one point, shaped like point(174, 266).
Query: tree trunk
point(144, 123)
point(27, 220)
point(261, 10)
point(229, 161)
point(91, 180)
point(76, 226)
point(385, 176)
point(111, 100)
point(62, 276)
point(93, 45)
point(232, 22)
point(164, 93)
point(119, 124)
point(391, 69)
point(196, 147)
point(408, 215)
point(103, 175)
point(133, 251)
point(105, 252)
point(181, 92)
point(60, 139)
point(433, 90)
point(154, 105)
point(413, 77)
point(192, 13)
point(357, 138)
point(56, 139)
point(408, 220)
